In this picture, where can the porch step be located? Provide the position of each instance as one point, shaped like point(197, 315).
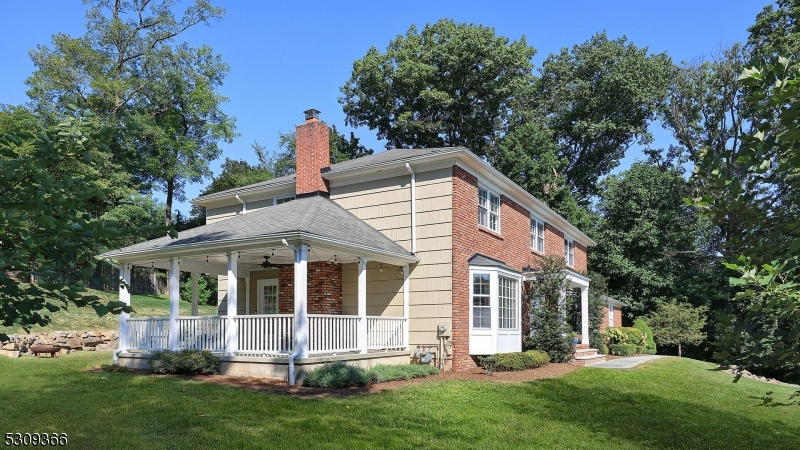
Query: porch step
point(581, 346)
point(586, 356)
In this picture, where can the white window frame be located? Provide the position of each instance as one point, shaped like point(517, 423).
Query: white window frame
point(502, 297)
point(569, 252)
point(486, 196)
point(537, 238)
point(261, 301)
point(487, 341)
point(483, 308)
point(610, 315)
point(284, 199)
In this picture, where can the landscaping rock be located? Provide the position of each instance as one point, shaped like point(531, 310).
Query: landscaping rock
point(88, 349)
point(9, 353)
point(92, 341)
point(10, 346)
point(74, 343)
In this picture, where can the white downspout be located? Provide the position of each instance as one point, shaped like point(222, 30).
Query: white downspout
point(413, 209)
point(244, 205)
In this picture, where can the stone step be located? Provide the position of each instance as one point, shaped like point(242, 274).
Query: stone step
point(586, 358)
point(585, 351)
point(579, 346)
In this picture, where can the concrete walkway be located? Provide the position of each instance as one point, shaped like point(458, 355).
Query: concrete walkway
point(625, 363)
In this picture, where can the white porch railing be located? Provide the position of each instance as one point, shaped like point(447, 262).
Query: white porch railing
point(329, 334)
point(386, 333)
point(148, 334)
point(269, 334)
point(202, 333)
point(266, 334)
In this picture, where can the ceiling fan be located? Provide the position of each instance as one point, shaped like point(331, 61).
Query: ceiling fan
point(266, 264)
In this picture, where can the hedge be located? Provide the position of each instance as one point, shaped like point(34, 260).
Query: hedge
point(340, 375)
point(184, 362)
point(622, 349)
point(650, 344)
point(509, 362)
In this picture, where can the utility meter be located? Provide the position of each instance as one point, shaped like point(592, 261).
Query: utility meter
point(443, 330)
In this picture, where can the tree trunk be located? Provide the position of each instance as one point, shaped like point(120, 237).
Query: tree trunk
point(679, 350)
point(170, 191)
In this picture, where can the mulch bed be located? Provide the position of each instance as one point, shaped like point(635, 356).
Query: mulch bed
point(273, 386)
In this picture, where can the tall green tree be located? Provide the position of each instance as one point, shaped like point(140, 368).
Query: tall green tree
point(115, 69)
point(678, 324)
point(598, 99)
point(182, 110)
point(776, 31)
point(652, 246)
point(44, 220)
point(450, 84)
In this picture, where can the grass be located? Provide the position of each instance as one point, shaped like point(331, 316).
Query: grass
point(665, 404)
point(86, 319)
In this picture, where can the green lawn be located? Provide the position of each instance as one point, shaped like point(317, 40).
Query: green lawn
point(665, 404)
point(86, 319)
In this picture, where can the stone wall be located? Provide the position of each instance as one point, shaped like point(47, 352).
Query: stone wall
point(67, 341)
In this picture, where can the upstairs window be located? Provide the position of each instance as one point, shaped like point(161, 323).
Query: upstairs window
point(537, 235)
point(569, 252)
point(481, 307)
point(488, 209)
point(278, 201)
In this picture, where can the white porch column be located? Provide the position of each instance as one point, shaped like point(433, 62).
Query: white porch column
point(231, 333)
point(124, 297)
point(406, 308)
point(174, 301)
point(362, 304)
point(301, 301)
point(195, 293)
point(247, 293)
point(585, 315)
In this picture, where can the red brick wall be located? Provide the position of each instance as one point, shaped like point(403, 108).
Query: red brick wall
point(324, 288)
point(313, 155)
point(617, 317)
point(512, 246)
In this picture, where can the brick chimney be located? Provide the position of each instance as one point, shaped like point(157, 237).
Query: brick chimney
point(313, 155)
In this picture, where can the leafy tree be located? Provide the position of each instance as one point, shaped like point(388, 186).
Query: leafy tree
point(44, 222)
point(206, 288)
point(451, 84)
point(762, 319)
point(184, 120)
point(776, 31)
point(651, 245)
point(598, 99)
point(549, 330)
point(677, 324)
point(125, 63)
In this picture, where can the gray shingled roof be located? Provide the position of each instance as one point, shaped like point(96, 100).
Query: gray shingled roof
point(393, 156)
point(314, 216)
point(482, 260)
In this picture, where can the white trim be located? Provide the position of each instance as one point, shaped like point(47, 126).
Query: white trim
point(487, 341)
point(261, 303)
point(231, 334)
point(569, 244)
point(533, 219)
point(489, 195)
point(610, 314)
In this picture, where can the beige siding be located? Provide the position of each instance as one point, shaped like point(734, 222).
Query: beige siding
point(226, 212)
point(222, 293)
point(386, 205)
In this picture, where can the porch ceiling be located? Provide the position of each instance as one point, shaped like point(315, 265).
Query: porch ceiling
point(319, 222)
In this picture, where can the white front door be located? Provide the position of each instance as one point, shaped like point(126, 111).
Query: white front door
point(267, 295)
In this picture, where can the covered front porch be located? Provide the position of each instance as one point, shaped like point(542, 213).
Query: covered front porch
point(307, 297)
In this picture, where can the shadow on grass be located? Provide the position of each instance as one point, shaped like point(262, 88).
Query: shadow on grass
point(655, 421)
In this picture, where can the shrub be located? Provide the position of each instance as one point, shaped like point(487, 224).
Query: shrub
point(624, 335)
point(514, 361)
point(622, 349)
point(489, 363)
point(650, 344)
point(184, 362)
point(603, 349)
point(337, 374)
point(386, 372)
point(115, 368)
point(641, 349)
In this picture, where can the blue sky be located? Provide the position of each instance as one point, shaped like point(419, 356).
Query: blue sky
point(286, 57)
